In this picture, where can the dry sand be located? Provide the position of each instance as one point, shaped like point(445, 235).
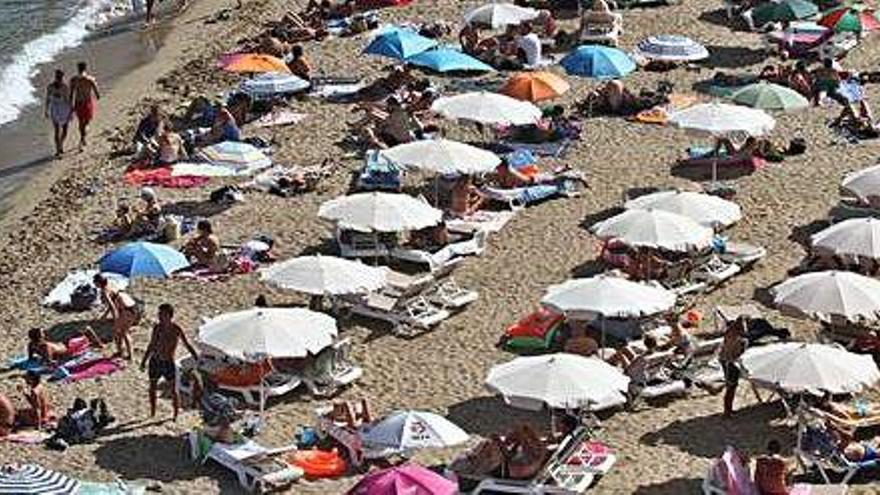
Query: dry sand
point(662, 450)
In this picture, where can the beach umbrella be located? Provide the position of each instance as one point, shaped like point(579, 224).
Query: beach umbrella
point(598, 62)
point(324, 275)
point(560, 381)
point(407, 479)
point(655, 228)
point(852, 237)
point(244, 158)
point(26, 479)
point(670, 48)
point(607, 296)
point(380, 212)
point(143, 259)
point(799, 367)
point(252, 62)
point(705, 209)
point(864, 183)
point(829, 295)
point(405, 431)
point(499, 15)
point(720, 119)
point(487, 108)
point(769, 96)
point(449, 60)
point(443, 156)
point(785, 10)
point(271, 84)
point(853, 19)
point(399, 44)
point(261, 333)
point(535, 86)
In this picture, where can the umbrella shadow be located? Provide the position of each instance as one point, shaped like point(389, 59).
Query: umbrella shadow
point(589, 268)
point(489, 415)
point(733, 57)
point(764, 296)
point(152, 457)
point(599, 216)
point(703, 173)
point(748, 429)
point(801, 233)
point(674, 486)
point(62, 332)
point(718, 17)
point(196, 209)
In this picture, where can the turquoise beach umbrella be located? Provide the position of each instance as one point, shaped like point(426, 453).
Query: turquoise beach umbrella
point(399, 44)
point(598, 62)
point(449, 60)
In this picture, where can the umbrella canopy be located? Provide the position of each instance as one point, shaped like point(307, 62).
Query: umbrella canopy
point(487, 108)
point(607, 296)
point(405, 431)
point(853, 237)
point(830, 294)
point(143, 259)
point(25, 479)
point(806, 367)
point(599, 62)
point(535, 86)
point(558, 380)
point(271, 84)
point(380, 212)
point(670, 48)
point(705, 209)
point(655, 228)
point(449, 60)
point(242, 157)
point(786, 10)
point(719, 119)
point(399, 44)
point(864, 183)
point(769, 96)
point(499, 15)
point(408, 479)
point(324, 275)
point(853, 19)
point(252, 62)
point(443, 156)
point(261, 333)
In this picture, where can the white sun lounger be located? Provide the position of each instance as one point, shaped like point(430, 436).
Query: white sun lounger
point(742, 254)
point(332, 370)
point(449, 295)
point(275, 384)
point(715, 271)
point(408, 316)
point(449, 254)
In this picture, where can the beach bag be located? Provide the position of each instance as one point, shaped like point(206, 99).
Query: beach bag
point(83, 297)
point(797, 146)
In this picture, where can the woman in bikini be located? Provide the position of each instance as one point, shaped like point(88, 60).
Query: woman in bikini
point(123, 310)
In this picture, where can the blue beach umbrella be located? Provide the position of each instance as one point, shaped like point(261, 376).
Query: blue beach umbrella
point(143, 259)
point(599, 62)
point(399, 44)
point(449, 60)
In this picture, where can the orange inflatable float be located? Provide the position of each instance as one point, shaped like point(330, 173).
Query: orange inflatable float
point(318, 463)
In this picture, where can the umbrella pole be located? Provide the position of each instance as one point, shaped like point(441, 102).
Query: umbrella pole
point(603, 330)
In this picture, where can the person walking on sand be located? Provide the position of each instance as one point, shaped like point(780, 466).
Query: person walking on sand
point(160, 356)
point(58, 109)
point(732, 348)
point(84, 96)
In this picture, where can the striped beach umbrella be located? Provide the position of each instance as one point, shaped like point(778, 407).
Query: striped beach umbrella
point(670, 48)
point(853, 19)
point(25, 479)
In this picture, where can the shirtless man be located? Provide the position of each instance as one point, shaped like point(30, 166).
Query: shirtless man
point(83, 95)
point(160, 354)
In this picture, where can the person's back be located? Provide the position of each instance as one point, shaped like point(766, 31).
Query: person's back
point(770, 474)
point(530, 45)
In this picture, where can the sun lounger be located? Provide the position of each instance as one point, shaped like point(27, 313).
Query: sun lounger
point(853, 423)
point(481, 220)
point(552, 149)
point(600, 27)
point(715, 271)
point(331, 370)
point(447, 294)
point(274, 384)
point(742, 254)
point(520, 197)
point(452, 253)
point(678, 280)
point(409, 317)
point(378, 174)
point(258, 468)
point(361, 245)
point(816, 449)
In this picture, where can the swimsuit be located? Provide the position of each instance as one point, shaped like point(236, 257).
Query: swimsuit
point(59, 108)
point(162, 368)
point(85, 110)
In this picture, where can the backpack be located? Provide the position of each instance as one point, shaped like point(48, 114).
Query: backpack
point(83, 297)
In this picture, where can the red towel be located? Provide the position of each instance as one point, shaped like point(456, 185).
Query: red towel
point(160, 177)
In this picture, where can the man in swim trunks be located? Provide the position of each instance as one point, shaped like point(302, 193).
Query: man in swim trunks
point(84, 95)
point(160, 354)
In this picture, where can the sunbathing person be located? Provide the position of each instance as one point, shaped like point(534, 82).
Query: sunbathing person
point(772, 471)
point(169, 146)
point(38, 412)
point(124, 223)
point(400, 126)
point(149, 216)
point(465, 198)
point(430, 237)
point(203, 249)
point(40, 348)
point(7, 416)
point(469, 39)
point(801, 80)
point(525, 453)
point(579, 342)
point(224, 127)
point(148, 127)
point(122, 308)
point(751, 147)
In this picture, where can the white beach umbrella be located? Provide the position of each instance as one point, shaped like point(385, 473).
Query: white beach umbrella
point(704, 209)
point(655, 229)
point(405, 431)
point(607, 296)
point(559, 381)
point(443, 156)
point(864, 183)
point(324, 275)
point(829, 294)
point(670, 48)
point(808, 367)
point(261, 333)
point(487, 108)
point(852, 237)
point(271, 84)
point(380, 212)
point(721, 119)
point(499, 15)
point(242, 157)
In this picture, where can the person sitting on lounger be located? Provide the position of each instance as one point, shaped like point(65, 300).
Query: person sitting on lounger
point(38, 411)
point(465, 197)
point(772, 471)
point(203, 249)
point(400, 126)
point(680, 341)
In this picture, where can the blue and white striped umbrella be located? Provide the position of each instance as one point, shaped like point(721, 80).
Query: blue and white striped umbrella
point(670, 48)
point(273, 84)
point(25, 479)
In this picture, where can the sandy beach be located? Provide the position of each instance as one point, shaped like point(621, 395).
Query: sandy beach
point(662, 449)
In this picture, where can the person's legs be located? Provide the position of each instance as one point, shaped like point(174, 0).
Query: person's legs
point(63, 137)
point(126, 341)
point(150, 4)
point(152, 394)
point(175, 399)
point(57, 137)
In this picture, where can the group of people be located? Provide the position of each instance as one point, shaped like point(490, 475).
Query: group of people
point(77, 96)
point(518, 47)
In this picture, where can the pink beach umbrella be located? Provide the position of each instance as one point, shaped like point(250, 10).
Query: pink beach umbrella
point(409, 479)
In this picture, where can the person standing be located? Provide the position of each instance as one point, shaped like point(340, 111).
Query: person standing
point(160, 356)
point(122, 308)
point(732, 348)
point(83, 95)
point(58, 109)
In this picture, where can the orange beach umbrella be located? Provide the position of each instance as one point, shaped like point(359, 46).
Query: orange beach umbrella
point(535, 86)
point(252, 62)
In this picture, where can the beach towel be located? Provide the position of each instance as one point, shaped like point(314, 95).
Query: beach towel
point(94, 368)
point(280, 117)
point(117, 487)
point(59, 296)
point(339, 92)
point(187, 169)
point(161, 177)
point(28, 437)
point(487, 221)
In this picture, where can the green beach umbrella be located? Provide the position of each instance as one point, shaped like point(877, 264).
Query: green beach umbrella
point(769, 96)
point(853, 19)
point(786, 10)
